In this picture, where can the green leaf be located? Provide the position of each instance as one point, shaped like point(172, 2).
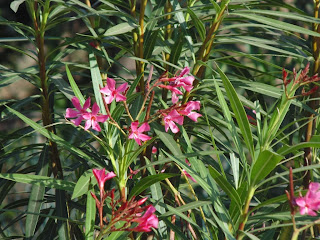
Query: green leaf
point(150, 43)
point(75, 87)
point(239, 112)
point(37, 195)
point(226, 186)
point(96, 82)
point(61, 142)
point(170, 143)
point(63, 87)
point(120, 29)
point(61, 209)
point(187, 207)
point(156, 193)
point(230, 123)
point(90, 214)
point(314, 142)
point(264, 164)
point(198, 24)
point(278, 24)
point(176, 51)
point(39, 181)
point(148, 181)
point(82, 186)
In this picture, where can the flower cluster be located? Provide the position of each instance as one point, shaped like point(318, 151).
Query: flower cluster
point(310, 203)
point(176, 114)
point(171, 116)
point(179, 80)
point(81, 113)
point(129, 212)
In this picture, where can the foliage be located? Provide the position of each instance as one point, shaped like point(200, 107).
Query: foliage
point(221, 173)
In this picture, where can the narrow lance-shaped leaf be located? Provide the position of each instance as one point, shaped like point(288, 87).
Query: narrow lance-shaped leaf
point(264, 164)
point(61, 142)
point(39, 180)
point(90, 214)
point(36, 195)
point(239, 112)
point(148, 181)
point(74, 86)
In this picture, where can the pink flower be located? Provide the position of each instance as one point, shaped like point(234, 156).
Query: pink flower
point(71, 113)
point(185, 82)
point(170, 119)
point(102, 177)
point(179, 81)
point(310, 203)
point(112, 93)
point(187, 111)
point(147, 221)
point(188, 175)
point(94, 117)
point(133, 172)
point(137, 133)
point(174, 91)
point(154, 150)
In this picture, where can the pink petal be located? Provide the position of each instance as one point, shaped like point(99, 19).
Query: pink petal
point(96, 126)
point(109, 175)
point(88, 124)
point(174, 98)
point(111, 83)
point(173, 127)
point(131, 136)
point(193, 105)
point(87, 116)
point(95, 109)
point(185, 71)
point(76, 103)
point(188, 175)
point(314, 186)
point(122, 87)
point(194, 116)
point(106, 90)
point(134, 126)
point(179, 120)
point(188, 88)
point(71, 113)
point(138, 141)
point(144, 127)
point(109, 99)
point(144, 137)
point(154, 150)
point(166, 127)
point(77, 121)
point(188, 80)
point(120, 98)
point(102, 118)
point(86, 104)
point(300, 201)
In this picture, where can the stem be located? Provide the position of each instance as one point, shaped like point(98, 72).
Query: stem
point(314, 103)
point(97, 44)
point(45, 104)
point(205, 49)
point(127, 110)
point(140, 70)
point(39, 24)
point(245, 212)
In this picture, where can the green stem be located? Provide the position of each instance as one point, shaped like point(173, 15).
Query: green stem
point(245, 212)
point(205, 49)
